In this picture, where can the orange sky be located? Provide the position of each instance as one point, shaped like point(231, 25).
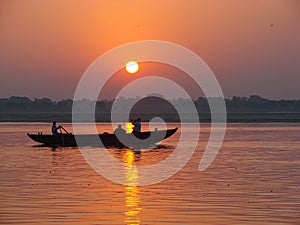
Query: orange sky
point(45, 46)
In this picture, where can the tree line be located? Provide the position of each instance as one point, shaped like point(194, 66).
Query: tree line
point(253, 103)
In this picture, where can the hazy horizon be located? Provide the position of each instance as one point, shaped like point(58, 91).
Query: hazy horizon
point(150, 95)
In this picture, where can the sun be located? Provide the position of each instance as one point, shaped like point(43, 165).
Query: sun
point(132, 67)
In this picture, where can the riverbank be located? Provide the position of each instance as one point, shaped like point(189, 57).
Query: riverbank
point(106, 117)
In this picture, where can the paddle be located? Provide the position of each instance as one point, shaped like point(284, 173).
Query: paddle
point(64, 129)
point(62, 136)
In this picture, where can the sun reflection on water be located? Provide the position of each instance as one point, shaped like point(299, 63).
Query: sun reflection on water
point(129, 127)
point(132, 198)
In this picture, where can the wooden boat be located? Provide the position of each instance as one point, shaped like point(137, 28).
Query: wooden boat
point(135, 140)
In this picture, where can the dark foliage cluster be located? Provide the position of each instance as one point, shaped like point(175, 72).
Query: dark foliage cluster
point(253, 103)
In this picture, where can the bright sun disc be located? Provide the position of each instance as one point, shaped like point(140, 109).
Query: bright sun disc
point(132, 67)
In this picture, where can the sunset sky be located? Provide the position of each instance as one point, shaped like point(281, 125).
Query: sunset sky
point(252, 46)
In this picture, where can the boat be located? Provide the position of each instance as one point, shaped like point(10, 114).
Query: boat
point(131, 140)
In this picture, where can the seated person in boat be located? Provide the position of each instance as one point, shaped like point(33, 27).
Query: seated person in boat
point(120, 130)
point(54, 128)
point(137, 125)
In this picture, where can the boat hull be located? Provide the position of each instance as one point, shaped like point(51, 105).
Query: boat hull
point(136, 140)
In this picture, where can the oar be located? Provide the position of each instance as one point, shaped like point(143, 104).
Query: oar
point(65, 130)
point(62, 136)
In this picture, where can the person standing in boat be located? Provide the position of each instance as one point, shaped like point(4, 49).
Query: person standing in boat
point(137, 125)
point(54, 128)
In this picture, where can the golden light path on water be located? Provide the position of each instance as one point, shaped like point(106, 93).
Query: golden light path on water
point(132, 198)
point(129, 127)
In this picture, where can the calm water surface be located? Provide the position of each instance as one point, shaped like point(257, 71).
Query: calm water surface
point(255, 179)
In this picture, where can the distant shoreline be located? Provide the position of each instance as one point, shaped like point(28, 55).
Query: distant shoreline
point(254, 117)
point(252, 109)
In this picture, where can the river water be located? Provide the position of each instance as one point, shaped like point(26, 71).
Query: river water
point(255, 179)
